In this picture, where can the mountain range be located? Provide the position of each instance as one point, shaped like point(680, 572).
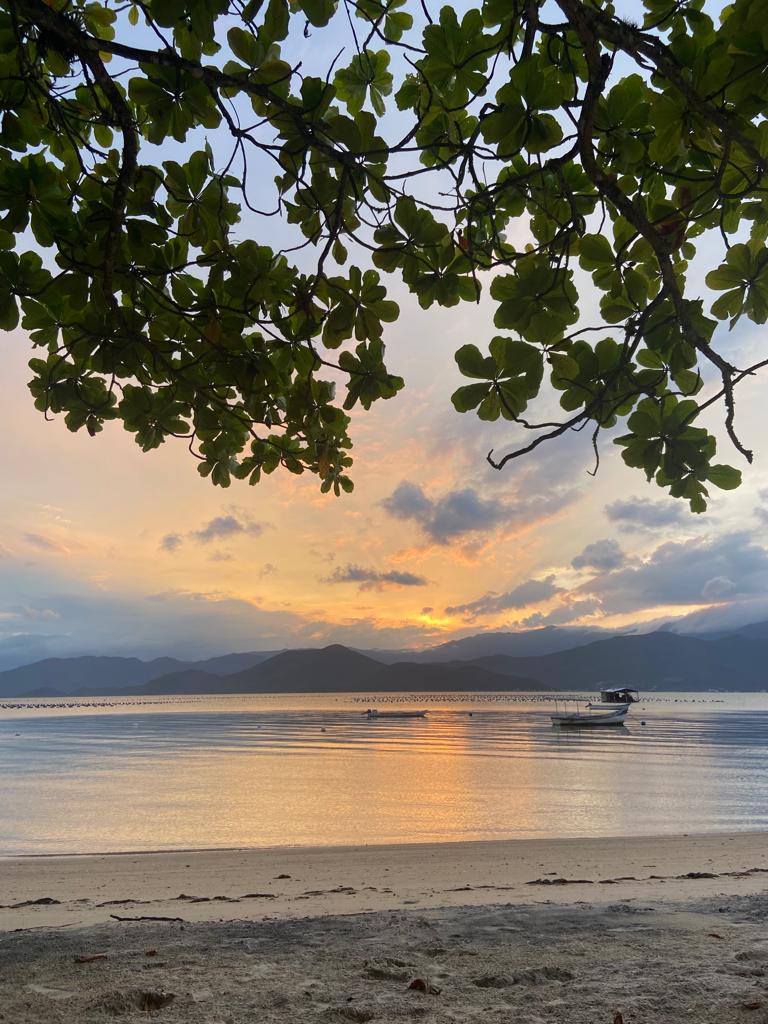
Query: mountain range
point(544, 659)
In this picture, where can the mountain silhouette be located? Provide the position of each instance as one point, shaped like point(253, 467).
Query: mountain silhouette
point(661, 660)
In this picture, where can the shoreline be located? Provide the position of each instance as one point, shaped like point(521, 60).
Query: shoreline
point(83, 890)
point(342, 847)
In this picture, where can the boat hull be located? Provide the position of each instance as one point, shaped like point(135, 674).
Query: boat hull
point(372, 717)
point(580, 720)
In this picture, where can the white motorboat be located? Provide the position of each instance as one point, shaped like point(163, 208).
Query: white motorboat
point(373, 713)
point(615, 697)
point(619, 695)
point(590, 718)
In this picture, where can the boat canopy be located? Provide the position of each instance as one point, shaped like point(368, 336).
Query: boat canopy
point(619, 694)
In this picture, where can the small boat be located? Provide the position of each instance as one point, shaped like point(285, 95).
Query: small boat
point(373, 713)
point(589, 718)
point(615, 697)
point(619, 695)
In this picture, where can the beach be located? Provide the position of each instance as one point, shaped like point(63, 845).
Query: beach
point(663, 929)
point(484, 857)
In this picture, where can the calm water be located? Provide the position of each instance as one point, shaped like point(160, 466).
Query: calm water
point(307, 770)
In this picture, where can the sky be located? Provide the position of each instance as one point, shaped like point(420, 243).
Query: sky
point(105, 549)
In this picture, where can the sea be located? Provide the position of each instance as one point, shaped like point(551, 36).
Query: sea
point(84, 775)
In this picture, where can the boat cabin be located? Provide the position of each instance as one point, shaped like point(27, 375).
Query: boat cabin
point(619, 695)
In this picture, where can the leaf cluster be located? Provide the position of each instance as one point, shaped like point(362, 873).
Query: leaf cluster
point(201, 214)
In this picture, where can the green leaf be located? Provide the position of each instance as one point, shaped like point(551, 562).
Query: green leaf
point(318, 12)
point(472, 364)
point(167, 12)
point(725, 477)
point(366, 75)
point(9, 312)
point(245, 46)
point(276, 22)
point(615, 310)
point(469, 397)
point(595, 251)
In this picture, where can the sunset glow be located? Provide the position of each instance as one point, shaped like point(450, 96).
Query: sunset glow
point(107, 549)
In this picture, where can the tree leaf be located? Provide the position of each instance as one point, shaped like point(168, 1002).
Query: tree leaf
point(725, 477)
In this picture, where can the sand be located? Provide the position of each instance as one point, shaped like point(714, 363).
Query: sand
point(657, 930)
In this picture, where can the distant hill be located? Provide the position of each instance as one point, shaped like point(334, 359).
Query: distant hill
point(661, 660)
point(327, 670)
point(453, 677)
point(755, 631)
point(315, 671)
point(650, 661)
point(526, 643)
point(71, 675)
point(498, 664)
point(91, 675)
point(340, 670)
point(189, 680)
point(226, 664)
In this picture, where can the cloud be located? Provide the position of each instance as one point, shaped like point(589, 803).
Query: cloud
point(691, 572)
point(370, 579)
point(186, 624)
point(458, 513)
point(223, 527)
point(268, 569)
point(464, 511)
point(717, 588)
point(322, 552)
point(720, 616)
point(408, 501)
point(23, 648)
point(233, 524)
point(39, 540)
point(730, 570)
point(761, 511)
point(602, 554)
point(644, 514)
point(567, 612)
point(27, 612)
point(125, 620)
point(560, 463)
point(530, 592)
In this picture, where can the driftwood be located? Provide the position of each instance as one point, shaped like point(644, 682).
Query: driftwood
point(117, 917)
